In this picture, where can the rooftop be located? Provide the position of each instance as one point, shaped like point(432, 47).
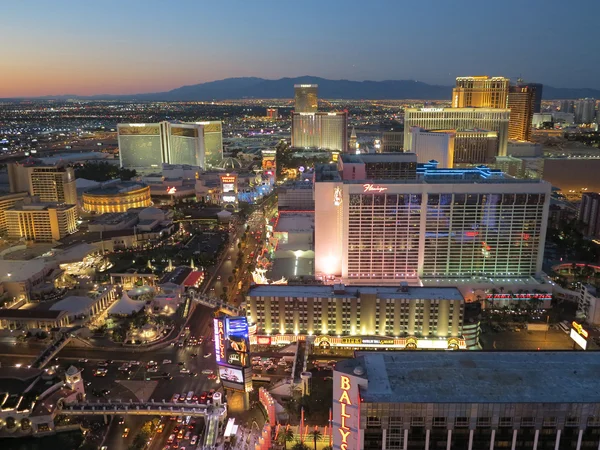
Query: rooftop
point(341, 291)
point(176, 276)
point(41, 207)
point(295, 222)
point(379, 157)
point(31, 314)
point(478, 377)
point(74, 304)
point(115, 188)
point(114, 218)
point(16, 271)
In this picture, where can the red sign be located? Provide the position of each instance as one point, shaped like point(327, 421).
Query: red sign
point(263, 340)
point(373, 188)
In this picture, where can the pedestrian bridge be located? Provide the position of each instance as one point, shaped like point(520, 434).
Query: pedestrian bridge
point(150, 408)
point(216, 303)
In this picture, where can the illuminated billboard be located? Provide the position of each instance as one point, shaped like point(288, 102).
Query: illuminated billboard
point(231, 377)
point(238, 343)
point(219, 332)
point(579, 335)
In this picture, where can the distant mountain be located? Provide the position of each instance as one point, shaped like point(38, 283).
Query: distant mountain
point(251, 87)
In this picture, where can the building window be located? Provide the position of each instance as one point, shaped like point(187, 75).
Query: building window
point(439, 422)
point(593, 421)
point(461, 422)
point(572, 421)
point(417, 421)
point(396, 422)
point(505, 422)
point(484, 421)
point(373, 422)
point(528, 421)
point(549, 421)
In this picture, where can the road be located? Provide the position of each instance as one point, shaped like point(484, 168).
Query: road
point(140, 383)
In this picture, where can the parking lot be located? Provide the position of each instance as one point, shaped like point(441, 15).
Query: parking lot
point(526, 340)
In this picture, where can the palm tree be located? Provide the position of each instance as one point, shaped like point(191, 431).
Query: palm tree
point(286, 435)
point(316, 435)
point(299, 446)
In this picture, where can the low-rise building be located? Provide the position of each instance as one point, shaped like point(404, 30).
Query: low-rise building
point(588, 306)
point(358, 316)
point(116, 196)
point(295, 196)
point(466, 400)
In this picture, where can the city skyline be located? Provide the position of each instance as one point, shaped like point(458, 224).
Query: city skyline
point(127, 49)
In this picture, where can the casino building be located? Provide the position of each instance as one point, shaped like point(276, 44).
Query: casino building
point(466, 401)
point(357, 317)
point(116, 196)
point(381, 218)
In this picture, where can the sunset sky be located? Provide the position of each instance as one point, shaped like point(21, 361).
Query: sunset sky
point(137, 46)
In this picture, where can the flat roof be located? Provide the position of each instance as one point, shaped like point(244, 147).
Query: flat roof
point(478, 377)
point(295, 222)
point(15, 271)
point(74, 304)
point(340, 291)
point(379, 157)
point(115, 188)
point(30, 314)
point(114, 218)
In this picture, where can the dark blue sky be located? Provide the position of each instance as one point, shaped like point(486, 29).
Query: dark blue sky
point(131, 46)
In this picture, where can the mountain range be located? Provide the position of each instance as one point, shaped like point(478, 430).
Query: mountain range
point(252, 87)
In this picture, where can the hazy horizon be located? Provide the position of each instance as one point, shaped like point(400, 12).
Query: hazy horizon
point(134, 47)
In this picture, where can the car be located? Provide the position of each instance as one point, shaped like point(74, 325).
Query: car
point(121, 420)
point(229, 258)
point(194, 439)
point(210, 394)
point(153, 369)
point(102, 364)
point(105, 391)
point(179, 418)
point(212, 376)
point(134, 363)
point(282, 363)
point(82, 360)
point(171, 439)
point(175, 398)
point(187, 436)
point(181, 399)
point(194, 355)
point(124, 368)
point(180, 434)
point(160, 428)
point(181, 363)
point(167, 361)
point(195, 398)
point(203, 397)
point(184, 370)
point(125, 432)
point(208, 355)
point(109, 361)
point(207, 372)
point(218, 277)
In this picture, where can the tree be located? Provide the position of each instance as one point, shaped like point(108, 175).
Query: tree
point(286, 435)
point(230, 278)
point(300, 446)
point(316, 435)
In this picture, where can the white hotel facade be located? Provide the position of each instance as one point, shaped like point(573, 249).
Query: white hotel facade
point(434, 224)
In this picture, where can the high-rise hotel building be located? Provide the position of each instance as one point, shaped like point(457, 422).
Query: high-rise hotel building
point(380, 218)
point(306, 98)
point(459, 119)
point(323, 130)
point(41, 222)
point(521, 100)
point(480, 92)
point(145, 147)
point(49, 182)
